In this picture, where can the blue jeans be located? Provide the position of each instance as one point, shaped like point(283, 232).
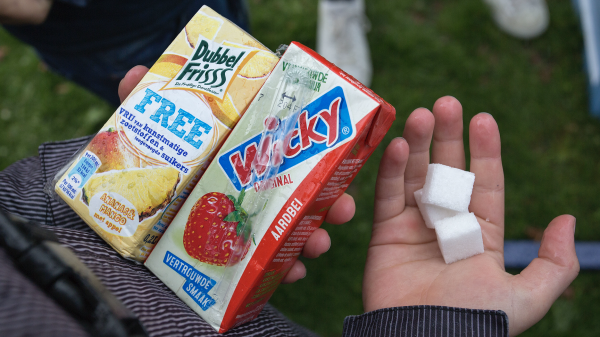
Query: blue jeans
point(589, 13)
point(96, 44)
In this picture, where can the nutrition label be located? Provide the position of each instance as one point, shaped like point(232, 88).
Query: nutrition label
point(338, 182)
point(80, 174)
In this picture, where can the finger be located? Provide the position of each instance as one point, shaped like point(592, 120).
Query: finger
point(318, 243)
point(131, 79)
point(448, 147)
point(547, 276)
point(417, 132)
point(389, 188)
point(487, 200)
point(342, 210)
point(297, 272)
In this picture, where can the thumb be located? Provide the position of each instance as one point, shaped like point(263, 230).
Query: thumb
point(547, 276)
point(131, 79)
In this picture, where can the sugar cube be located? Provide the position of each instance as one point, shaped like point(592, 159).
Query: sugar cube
point(448, 187)
point(459, 237)
point(432, 213)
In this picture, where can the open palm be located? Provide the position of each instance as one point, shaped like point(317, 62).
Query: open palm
point(404, 263)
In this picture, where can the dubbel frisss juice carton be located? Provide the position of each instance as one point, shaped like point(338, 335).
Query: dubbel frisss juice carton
point(131, 179)
point(302, 141)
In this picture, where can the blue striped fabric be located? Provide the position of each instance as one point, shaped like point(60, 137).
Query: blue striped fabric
point(27, 312)
point(428, 321)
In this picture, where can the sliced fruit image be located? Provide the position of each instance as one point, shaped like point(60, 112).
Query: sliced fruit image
point(240, 89)
point(224, 110)
point(216, 231)
point(149, 189)
point(112, 152)
point(168, 65)
point(232, 33)
point(255, 44)
point(202, 25)
point(260, 65)
point(180, 45)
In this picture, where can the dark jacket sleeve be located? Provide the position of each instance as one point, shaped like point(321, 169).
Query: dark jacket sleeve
point(426, 320)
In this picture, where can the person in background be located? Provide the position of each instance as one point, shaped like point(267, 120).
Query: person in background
point(523, 19)
point(342, 37)
point(528, 19)
point(343, 24)
point(95, 43)
point(589, 12)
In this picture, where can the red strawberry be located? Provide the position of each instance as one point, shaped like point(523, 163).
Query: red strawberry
point(215, 231)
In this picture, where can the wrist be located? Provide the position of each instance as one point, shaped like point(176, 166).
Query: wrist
point(428, 320)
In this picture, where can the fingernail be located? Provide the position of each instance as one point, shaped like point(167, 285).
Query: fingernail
point(400, 139)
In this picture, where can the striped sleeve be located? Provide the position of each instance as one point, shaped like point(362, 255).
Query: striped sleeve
point(430, 321)
point(22, 184)
point(27, 312)
point(53, 157)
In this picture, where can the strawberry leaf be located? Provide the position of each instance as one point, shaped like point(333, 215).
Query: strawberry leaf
point(239, 228)
point(247, 231)
point(232, 198)
point(233, 217)
point(241, 197)
point(244, 231)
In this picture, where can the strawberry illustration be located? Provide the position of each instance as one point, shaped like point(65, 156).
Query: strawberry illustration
point(215, 231)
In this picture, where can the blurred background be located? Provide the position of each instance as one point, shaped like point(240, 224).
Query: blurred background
point(421, 50)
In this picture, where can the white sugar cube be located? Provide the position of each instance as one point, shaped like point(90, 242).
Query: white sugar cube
point(432, 213)
point(448, 187)
point(459, 237)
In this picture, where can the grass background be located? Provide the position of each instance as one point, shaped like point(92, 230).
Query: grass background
point(421, 50)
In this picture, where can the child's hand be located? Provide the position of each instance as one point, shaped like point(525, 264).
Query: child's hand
point(404, 263)
point(319, 242)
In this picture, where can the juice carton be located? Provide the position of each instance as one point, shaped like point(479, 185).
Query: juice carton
point(134, 175)
point(247, 220)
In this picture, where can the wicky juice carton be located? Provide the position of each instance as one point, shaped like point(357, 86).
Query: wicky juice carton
point(132, 178)
point(302, 141)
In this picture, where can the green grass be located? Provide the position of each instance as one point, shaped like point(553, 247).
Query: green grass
point(421, 50)
point(37, 106)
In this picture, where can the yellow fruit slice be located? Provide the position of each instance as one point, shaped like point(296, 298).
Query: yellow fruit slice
point(180, 45)
point(224, 110)
point(255, 44)
point(168, 65)
point(230, 32)
point(241, 90)
point(260, 65)
point(148, 189)
point(203, 25)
